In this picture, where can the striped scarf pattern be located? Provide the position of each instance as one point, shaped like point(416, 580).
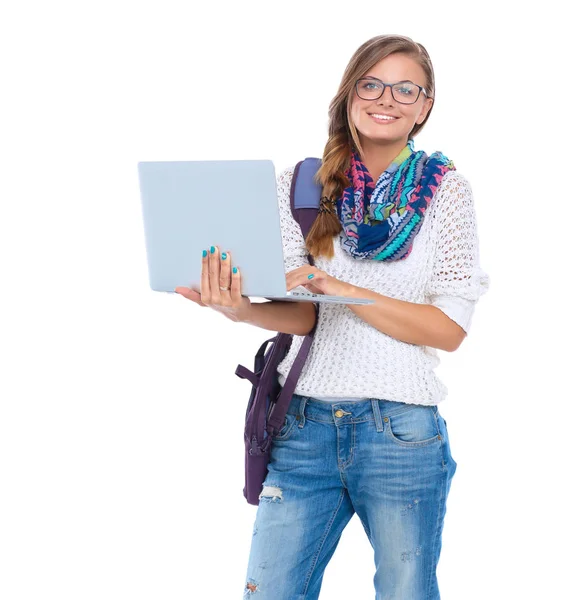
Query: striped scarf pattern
point(380, 220)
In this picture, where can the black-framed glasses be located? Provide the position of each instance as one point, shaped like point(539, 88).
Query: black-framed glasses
point(404, 92)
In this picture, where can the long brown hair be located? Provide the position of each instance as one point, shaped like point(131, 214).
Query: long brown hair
point(342, 134)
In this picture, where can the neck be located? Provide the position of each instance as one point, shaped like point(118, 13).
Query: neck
point(377, 156)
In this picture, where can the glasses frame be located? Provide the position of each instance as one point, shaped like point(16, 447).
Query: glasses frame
point(390, 86)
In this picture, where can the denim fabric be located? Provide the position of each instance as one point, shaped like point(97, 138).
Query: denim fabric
point(388, 461)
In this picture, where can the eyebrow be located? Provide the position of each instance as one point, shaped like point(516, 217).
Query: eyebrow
point(400, 81)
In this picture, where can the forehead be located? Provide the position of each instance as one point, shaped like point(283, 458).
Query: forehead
point(397, 67)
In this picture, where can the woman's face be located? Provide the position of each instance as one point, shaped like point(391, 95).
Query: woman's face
point(393, 68)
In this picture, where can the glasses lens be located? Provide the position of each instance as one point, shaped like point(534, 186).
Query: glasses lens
point(405, 92)
point(368, 89)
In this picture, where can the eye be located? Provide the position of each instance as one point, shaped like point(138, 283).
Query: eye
point(368, 84)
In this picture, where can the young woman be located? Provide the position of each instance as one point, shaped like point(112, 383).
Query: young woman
point(363, 432)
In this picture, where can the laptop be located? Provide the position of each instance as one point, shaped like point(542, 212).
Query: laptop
point(189, 206)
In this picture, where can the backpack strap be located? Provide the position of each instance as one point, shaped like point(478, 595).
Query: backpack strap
point(305, 195)
point(278, 410)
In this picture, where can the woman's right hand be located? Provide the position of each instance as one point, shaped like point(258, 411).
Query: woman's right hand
point(217, 273)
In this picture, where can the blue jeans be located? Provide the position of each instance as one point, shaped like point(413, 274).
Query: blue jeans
point(388, 461)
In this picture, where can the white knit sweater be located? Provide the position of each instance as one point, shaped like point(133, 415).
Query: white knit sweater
point(350, 359)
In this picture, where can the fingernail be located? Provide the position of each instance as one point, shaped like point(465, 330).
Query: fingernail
point(234, 269)
point(204, 253)
point(310, 276)
point(224, 256)
point(212, 249)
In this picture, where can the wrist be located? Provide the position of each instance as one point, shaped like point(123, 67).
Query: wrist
point(346, 289)
point(353, 291)
point(246, 313)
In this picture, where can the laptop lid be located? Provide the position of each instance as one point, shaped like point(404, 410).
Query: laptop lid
point(189, 206)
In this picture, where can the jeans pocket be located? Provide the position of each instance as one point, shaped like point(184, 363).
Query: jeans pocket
point(448, 457)
point(414, 427)
point(287, 428)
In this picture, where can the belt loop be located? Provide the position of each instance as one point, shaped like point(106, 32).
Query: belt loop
point(301, 409)
point(377, 415)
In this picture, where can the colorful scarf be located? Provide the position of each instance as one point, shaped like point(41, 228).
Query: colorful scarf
point(380, 220)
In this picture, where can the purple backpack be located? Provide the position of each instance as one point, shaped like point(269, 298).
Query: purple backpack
point(268, 401)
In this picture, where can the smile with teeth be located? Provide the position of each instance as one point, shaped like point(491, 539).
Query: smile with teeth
point(382, 117)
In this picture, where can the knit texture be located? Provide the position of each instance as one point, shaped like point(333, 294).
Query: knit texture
point(442, 269)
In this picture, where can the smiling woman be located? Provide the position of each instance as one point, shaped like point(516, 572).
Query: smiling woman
point(363, 431)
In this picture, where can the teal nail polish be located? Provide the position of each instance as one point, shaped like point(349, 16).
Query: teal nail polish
point(204, 253)
point(212, 249)
point(223, 256)
point(311, 276)
point(234, 270)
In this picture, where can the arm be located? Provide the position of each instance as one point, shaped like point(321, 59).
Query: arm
point(421, 324)
point(285, 317)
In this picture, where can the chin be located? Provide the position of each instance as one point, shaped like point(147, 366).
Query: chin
point(380, 136)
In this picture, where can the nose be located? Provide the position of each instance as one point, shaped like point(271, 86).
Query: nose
point(386, 97)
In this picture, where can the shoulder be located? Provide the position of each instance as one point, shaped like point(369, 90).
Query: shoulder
point(454, 194)
point(453, 182)
point(284, 176)
point(287, 172)
point(283, 186)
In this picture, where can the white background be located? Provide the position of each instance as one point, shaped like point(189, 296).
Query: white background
point(121, 450)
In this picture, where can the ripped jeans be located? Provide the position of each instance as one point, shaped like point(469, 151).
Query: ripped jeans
point(388, 461)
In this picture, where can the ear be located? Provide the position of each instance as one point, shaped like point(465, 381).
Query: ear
point(426, 108)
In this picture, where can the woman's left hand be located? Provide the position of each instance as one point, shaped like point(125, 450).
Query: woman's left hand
point(319, 282)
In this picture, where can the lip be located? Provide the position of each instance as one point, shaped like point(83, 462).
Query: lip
point(382, 121)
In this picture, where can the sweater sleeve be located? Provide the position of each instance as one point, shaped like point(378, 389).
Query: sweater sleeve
point(293, 244)
point(457, 280)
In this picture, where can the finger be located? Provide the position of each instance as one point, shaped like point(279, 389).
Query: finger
point(299, 277)
point(190, 294)
point(236, 286)
point(205, 286)
point(214, 274)
point(293, 277)
point(317, 283)
point(225, 278)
